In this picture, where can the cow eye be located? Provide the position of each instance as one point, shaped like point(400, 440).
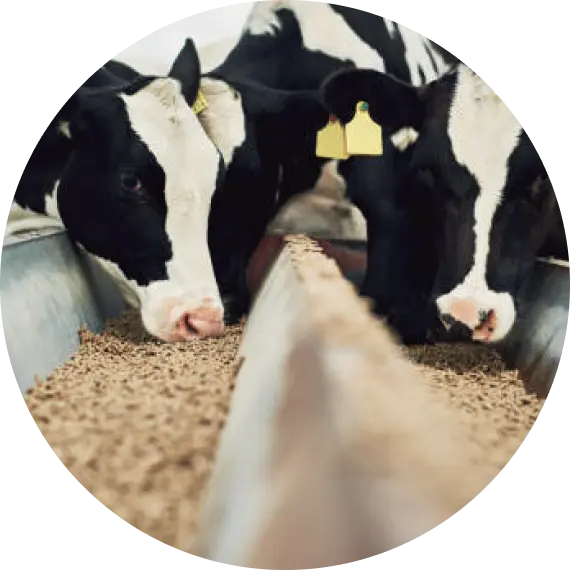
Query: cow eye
point(130, 182)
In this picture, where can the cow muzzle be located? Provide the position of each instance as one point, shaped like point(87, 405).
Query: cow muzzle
point(486, 318)
point(174, 319)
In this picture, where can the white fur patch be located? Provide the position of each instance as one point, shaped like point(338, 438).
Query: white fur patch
point(391, 27)
point(224, 118)
point(51, 203)
point(163, 120)
point(23, 219)
point(404, 138)
point(63, 128)
point(262, 19)
point(483, 134)
point(322, 29)
point(418, 52)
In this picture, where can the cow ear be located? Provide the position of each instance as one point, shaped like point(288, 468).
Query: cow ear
point(72, 119)
point(186, 69)
point(166, 90)
point(391, 102)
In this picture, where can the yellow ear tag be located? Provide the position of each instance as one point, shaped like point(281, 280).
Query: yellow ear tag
point(331, 141)
point(363, 135)
point(200, 104)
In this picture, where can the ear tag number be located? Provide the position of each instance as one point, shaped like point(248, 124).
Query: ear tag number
point(363, 135)
point(331, 142)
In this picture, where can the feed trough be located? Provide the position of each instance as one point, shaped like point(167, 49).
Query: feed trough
point(50, 289)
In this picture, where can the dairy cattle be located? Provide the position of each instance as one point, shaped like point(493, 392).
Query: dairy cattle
point(487, 205)
point(268, 145)
point(459, 204)
point(130, 172)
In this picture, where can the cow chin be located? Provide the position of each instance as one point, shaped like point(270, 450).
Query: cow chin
point(172, 316)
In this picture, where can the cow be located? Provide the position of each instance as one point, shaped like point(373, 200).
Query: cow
point(147, 187)
point(289, 47)
point(406, 208)
point(129, 171)
point(488, 208)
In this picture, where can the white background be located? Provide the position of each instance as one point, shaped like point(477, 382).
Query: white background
point(155, 52)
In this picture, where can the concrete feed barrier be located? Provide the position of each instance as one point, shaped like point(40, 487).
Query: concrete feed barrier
point(334, 449)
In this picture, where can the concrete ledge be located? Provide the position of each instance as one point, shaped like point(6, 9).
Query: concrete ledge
point(334, 450)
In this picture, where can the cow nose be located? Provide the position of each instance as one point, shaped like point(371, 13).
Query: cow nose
point(464, 316)
point(199, 323)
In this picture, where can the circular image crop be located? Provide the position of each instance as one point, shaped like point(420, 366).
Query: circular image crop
point(285, 284)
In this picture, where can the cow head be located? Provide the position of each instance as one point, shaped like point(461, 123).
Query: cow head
point(496, 201)
point(136, 195)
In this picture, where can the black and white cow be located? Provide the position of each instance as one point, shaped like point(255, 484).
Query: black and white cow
point(441, 193)
point(128, 169)
point(289, 47)
point(488, 206)
point(134, 175)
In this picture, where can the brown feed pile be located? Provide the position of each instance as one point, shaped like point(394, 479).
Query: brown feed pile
point(137, 421)
point(491, 399)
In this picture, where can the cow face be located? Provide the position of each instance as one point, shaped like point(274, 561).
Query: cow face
point(496, 201)
point(136, 195)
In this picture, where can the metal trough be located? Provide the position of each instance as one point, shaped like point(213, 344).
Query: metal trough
point(48, 289)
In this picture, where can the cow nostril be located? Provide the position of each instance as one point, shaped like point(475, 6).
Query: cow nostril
point(487, 322)
point(188, 325)
point(483, 316)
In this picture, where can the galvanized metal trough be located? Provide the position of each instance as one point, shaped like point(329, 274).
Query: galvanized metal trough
point(49, 288)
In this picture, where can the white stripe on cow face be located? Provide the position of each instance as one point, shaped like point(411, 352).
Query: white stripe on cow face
point(163, 120)
point(483, 134)
point(322, 30)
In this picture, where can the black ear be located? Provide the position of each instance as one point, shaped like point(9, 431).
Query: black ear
point(186, 69)
point(77, 116)
point(391, 102)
